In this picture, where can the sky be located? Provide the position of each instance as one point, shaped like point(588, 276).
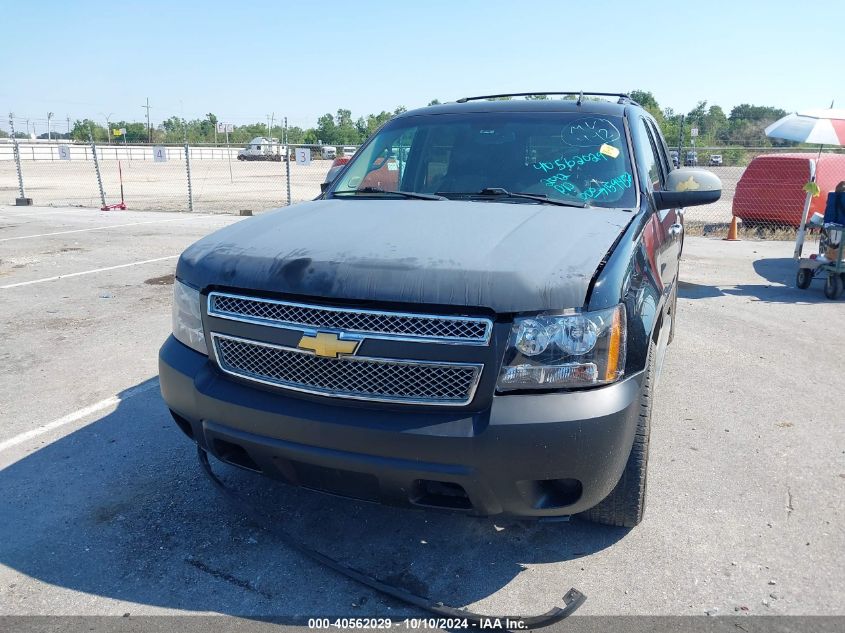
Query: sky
point(246, 60)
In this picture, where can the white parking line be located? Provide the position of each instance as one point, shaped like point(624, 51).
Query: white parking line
point(77, 415)
point(103, 228)
point(43, 212)
point(86, 272)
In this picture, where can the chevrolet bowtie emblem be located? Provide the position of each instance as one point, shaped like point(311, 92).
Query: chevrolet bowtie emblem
point(328, 345)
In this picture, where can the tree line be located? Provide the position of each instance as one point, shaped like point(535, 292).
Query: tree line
point(742, 127)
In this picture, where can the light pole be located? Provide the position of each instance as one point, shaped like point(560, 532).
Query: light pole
point(49, 117)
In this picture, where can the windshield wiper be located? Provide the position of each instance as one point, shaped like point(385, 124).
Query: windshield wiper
point(412, 195)
point(499, 192)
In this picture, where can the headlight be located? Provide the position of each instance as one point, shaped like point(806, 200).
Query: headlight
point(187, 321)
point(560, 351)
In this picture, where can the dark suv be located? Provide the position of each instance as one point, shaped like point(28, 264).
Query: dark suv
point(472, 316)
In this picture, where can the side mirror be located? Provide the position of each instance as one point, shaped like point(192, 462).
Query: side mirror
point(688, 187)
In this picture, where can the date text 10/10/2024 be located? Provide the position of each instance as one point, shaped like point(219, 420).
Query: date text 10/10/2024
point(501, 624)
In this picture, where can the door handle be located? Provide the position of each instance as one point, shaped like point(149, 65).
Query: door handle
point(676, 229)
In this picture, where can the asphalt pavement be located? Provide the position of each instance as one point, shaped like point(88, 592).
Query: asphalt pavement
point(104, 509)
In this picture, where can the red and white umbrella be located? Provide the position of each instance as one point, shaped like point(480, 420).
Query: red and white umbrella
point(822, 127)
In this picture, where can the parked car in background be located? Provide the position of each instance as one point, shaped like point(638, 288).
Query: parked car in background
point(771, 189)
point(328, 152)
point(691, 159)
point(337, 165)
point(715, 160)
point(673, 154)
point(349, 152)
point(262, 148)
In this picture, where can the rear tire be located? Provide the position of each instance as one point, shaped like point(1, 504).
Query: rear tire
point(833, 286)
point(625, 504)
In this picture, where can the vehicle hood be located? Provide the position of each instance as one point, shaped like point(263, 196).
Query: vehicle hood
point(503, 256)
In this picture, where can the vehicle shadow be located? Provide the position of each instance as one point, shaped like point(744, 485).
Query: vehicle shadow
point(780, 272)
point(121, 509)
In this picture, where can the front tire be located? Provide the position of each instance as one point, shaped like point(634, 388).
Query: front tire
point(673, 312)
point(625, 504)
point(803, 278)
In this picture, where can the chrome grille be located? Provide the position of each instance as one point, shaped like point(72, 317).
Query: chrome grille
point(362, 378)
point(373, 323)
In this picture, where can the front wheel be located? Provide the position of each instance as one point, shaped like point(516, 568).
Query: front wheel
point(803, 278)
point(673, 311)
point(625, 504)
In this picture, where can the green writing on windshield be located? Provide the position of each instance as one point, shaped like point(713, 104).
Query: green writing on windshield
point(602, 190)
point(569, 162)
point(560, 182)
point(589, 131)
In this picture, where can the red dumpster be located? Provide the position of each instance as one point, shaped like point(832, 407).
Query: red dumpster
point(771, 188)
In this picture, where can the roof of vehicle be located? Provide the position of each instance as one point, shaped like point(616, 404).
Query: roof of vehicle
point(522, 105)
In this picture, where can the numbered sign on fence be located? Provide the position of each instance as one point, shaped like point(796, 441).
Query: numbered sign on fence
point(159, 153)
point(303, 156)
point(64, 152)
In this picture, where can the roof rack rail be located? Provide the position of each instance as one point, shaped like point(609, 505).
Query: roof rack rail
point(623, 97)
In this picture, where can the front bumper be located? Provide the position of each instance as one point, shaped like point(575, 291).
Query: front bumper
point(535, 455)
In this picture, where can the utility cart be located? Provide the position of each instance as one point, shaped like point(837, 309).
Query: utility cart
point(828, 263)
point(822, 127)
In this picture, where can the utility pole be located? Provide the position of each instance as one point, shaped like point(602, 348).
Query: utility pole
point(149, 129)
point(108, 125)
point(287, 156)
point(68, 125)
point(49, 116)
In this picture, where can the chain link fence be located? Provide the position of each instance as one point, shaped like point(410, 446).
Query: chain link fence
point(763, 187)
point(148, 177)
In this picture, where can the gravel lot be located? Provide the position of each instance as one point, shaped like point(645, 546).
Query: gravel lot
point(252, 185)
point(147, 185)
point(105, 511)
